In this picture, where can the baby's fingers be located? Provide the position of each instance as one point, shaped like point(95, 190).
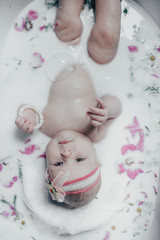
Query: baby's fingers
point(97, 118)
point(97, 111)
point(95, 123)
point(19, 122)
point(101, 103)
point(25, 126)
point(30, 128)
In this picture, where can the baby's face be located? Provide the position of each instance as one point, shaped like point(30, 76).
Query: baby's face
point(70, 151)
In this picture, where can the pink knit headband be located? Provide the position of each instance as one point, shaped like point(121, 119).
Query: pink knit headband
point(59, 187)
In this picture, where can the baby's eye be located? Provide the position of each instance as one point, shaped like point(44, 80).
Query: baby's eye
point(58, 164)
point(80, 159)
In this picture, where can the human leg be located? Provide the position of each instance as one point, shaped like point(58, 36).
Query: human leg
point(68, 25)
point(104, 37)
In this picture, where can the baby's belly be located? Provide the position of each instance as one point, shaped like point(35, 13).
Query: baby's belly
point(66, 118)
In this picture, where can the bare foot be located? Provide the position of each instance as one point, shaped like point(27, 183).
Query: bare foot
point(68, 25)
point(104, 37)
point(27, 121)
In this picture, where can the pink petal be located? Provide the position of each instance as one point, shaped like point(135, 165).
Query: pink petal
point(28, 140)
point(37, 60)
point(155, 175)
point(155, 190)
point(134, 220)
point(1, 167)
point(32, 15)
point(13, 214)
point(158, 49)
point(30, 149)
point(154, 75)
point(133, 48)
point(11, 207)
point(141, 162)
point(5, 214)
point(125, 148)
point(9, 185)
point(42, 27)
point(132, 174)
point(145, 194)
point(42, 155)
point(134, 129)
point(128, 195)
point(140, 203)
point(121, 168)
point(107, 235)
point(141, 140)
point(15, 179)
point(20, 28)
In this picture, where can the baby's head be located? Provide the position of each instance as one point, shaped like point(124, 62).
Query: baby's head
point(73, 173)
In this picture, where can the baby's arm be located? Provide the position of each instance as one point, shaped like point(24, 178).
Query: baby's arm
point(108, 109)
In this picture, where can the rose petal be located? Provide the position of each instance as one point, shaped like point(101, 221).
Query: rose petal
point(134, 129)
point(132, 174)
point(5, 214)
point(9, 185)
point(155, 190)
point(133, 48)
point(32, 15)
point(121, 168)
point(1, 167)
point(158, 49)
point(15, 179)
point(125, 148)
point(128, 195)
point(107, 235)
point(11, 207)
point(145, 194)
point(30, 149)
point(154, 75)
point(42, 27)
point(37, 60)
point(27, 141)
point(13, 214)
point(42, 155)
point(20, 28)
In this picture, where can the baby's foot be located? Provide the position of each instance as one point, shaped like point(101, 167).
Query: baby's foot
point(68, 25)
point(26, 121)
point(104, 37)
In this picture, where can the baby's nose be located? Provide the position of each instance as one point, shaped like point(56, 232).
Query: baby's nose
point(66, 152)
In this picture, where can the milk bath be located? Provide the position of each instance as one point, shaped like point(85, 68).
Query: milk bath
point(125, 206)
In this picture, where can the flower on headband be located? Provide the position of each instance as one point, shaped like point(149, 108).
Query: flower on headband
point(54, 186)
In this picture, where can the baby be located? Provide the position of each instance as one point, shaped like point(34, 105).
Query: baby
point(74, 118)
point(104, 37)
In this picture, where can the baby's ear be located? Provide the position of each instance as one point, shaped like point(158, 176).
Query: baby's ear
point(99, 162)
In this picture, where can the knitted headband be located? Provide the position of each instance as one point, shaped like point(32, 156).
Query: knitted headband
point(59, 187)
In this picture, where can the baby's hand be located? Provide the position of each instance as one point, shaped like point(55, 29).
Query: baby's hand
point(26, 122)
point(98, 115)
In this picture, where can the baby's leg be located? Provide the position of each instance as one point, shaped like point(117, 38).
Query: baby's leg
point(68, 25)
point(104, 37)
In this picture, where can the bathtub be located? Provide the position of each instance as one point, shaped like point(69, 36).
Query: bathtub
point(13, 8)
